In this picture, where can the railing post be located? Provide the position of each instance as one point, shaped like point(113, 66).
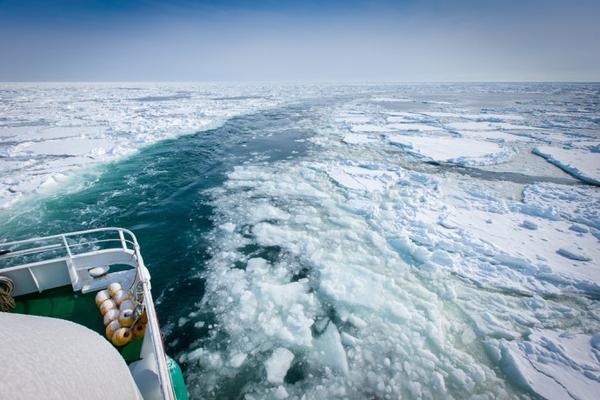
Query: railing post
point(64, 239)
point(122, 237)
point(73, 274)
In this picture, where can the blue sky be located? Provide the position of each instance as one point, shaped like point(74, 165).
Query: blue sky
point(181, 40)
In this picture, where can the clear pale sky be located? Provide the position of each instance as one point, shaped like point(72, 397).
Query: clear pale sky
point(183, 40)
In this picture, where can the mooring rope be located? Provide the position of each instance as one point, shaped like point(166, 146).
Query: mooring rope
point(7, 286)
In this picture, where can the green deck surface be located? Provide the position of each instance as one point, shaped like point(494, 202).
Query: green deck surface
point(80, 308)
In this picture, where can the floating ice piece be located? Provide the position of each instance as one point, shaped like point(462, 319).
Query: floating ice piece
point(359, 178)
point(582, 164)
point(485, 116)
point(393, 118)
point(357, 321)
point(278, 365)
point(442, 103)
point(392, 99)
point(541, 251)
point(328, 348)
point(555, 366)
point(579, 204)
point(484, 125)
point(353, 118)
point(573, 255)
point(494, 135)
point(579, 228)
point(527, 224)
point(237, 360)
point(280, 393)
point(405, 114)
point(412, 127)
point(353, 138)
point(68, 147)
point(453, 150)
point(370, 128)
point(228, 227)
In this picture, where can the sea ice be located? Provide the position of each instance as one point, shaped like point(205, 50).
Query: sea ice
point(370, 128)
point(353, 138)
point(494, 135)
point(278, 364)
point(412, 127)
point(329, 350)
point(584, 165)
point(453, 150)
point(483, 125)
point(556, 365)
point(580, 204)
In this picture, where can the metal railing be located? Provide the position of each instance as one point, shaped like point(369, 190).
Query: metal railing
point(26, 247)
point(47, 252)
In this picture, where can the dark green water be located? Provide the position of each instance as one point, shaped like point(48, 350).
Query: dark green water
point(160, 194)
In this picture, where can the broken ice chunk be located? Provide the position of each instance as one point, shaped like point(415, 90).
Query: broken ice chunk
point(573, 255)
point(237, 360)
point(527, 224)
point(329, 348)
point(278, 364)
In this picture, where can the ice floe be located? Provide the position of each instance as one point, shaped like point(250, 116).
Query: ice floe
point(353, 138)
point(584, 165)
point(580, 205)
point(278, 364)
point(482, 125)
point(453, 150)
point(556, 366)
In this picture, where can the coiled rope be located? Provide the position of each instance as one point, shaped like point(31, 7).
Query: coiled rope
point(7, 286)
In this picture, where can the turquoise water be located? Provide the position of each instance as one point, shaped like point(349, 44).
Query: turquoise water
point(160, 194)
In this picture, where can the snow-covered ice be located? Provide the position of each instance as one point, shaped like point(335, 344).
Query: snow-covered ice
point(278, 364)
point(556, 366)
point(353, 138)
point(482, 125)
point(461, 151)
point(585, 165)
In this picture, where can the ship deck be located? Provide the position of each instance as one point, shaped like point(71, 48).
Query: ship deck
point(76, 307)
